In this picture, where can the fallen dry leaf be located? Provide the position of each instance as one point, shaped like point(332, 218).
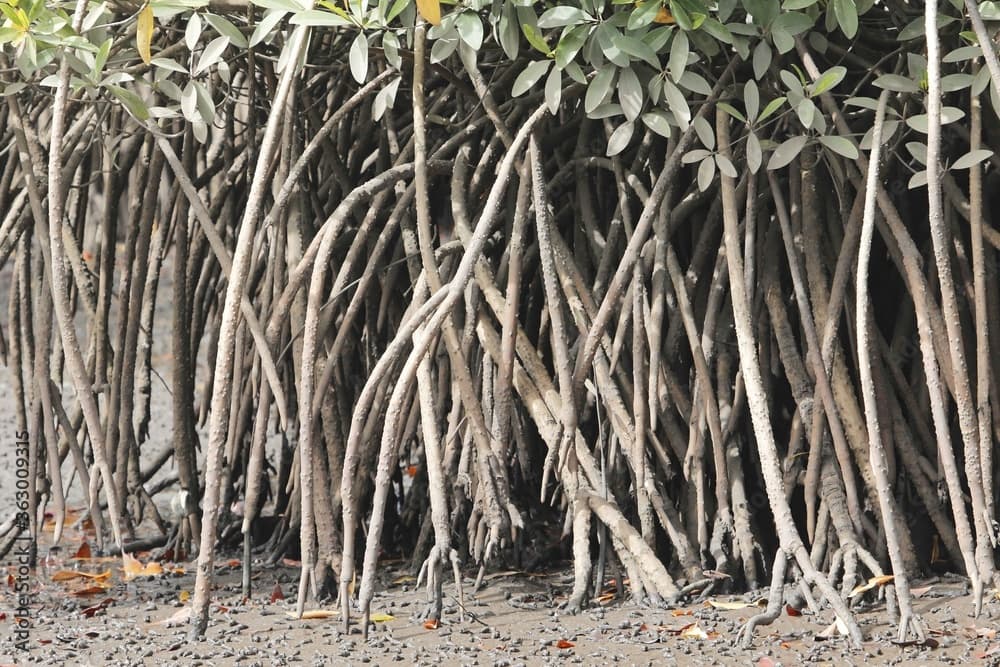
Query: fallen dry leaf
point(834, 629)
point(184, 596)
point(381, 618)
point(277, 593)
point(920, 592)
point(431, 624)
point(692, 631)
point(792, 611)
point(563, 643)
point(766, 662)
point(180, 617)
point(133, 568)
point(91, 590)
point(733, 605)
point(69, 575)
point(870, 584)
point(404, 579)
point(89, 612)
point(83, 553)
point(314, 614)
point(681, 612)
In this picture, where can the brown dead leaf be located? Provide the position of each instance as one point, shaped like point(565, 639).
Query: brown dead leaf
point(792, 611)
point(733, 605)
point(314, 614)
point(988, 653)
point(133, 568)
point(920, 592)
point(89, 612)
point(97, 589)
point(69, 575)
point(681, 612)
point(83, 553)
point(404, 579)
point(563, 643)
point(870, 584)
point(692, 631)
point(431, 624)
point(277, 593)
point(291, 562)
point(605, 598)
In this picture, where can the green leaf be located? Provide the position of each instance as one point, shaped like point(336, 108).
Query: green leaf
point(706, 174)
point(385, 99)
point(529, 77)
point(635, 48)
point(704, 131)
point(827, 80)
point(918, 150)
point(896, 83)
point(840, 145)
point(599, 88)
point(657, 122)
point(679, 50)
point(470, 29)
point(786, 152)
point(696, 83)
point(553, 90)
point(620, 138)
point(763, 11)
point(224, 27)
point(131, 101)
point(726, 166)
point(761, 59)
point(918, 180)
point(751, 99)
point(319, 18)
point(695, 155)
point(266, 25)
point(783, 41)
point(358, 58)
point(677, 104)
point(847, 17)
point(390, 46)
point(732, 111)
point(806, 111)
point(286, 5)
point(954, 82)
point(643, 14)
point(211, 54)
point(192, 32)
point(794, 23)
point(535, 38)
point(563, 15)
point(972, 158)
point(570, 44)
point(630, 93)
point(507, 33)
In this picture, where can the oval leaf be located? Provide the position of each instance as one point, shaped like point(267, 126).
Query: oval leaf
point(786, 152)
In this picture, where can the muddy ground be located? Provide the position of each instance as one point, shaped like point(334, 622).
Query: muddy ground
point(514, 619)
point(110, 618)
